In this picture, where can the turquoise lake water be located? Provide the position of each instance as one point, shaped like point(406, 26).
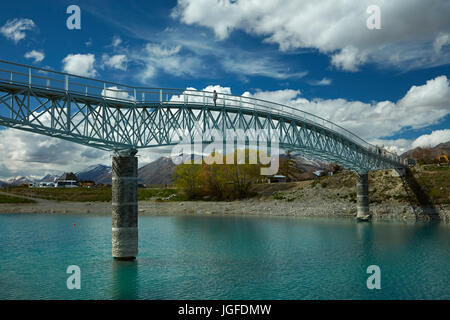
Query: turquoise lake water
point(223, 258)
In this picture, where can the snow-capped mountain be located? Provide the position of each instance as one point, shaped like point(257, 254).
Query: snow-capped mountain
point(49, 178)
point(17, 181)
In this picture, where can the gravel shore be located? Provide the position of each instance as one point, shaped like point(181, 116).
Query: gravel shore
point(253, 207)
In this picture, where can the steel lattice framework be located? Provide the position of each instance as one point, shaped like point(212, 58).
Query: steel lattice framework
point(112, 116)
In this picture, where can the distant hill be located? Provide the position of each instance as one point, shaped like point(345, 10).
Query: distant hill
point(98, 173)
point(428, 154)
point(309, 165)
point(159, 171)
point(303, 168)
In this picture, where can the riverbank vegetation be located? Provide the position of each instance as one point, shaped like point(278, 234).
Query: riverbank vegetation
point(223, 179)
point(101, 194)
point(425, 184)
point(12, 199)
point(422, 185)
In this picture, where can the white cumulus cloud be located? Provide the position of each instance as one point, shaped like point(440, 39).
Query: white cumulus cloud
point(424, 141)
point(335, 27)
point(30, 154)
point(37, 56)
point(279, 96)
point(432, 139)
point(118, 61)
point(114, 92)
point(349, 59)
point(15, 29)
point(80, 64)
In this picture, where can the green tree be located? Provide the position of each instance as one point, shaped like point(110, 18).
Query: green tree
point(243, 176)
point(220, 181)
point(187, 177)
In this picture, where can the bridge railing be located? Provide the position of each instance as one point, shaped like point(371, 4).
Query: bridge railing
point(45, 79)
point(195, 97)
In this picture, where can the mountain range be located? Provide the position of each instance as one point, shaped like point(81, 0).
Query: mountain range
point(98, 173)
point(160, 171)
point(16, 181)
point(430, 153)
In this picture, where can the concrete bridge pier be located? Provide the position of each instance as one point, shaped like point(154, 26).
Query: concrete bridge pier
point(362, 197)
point(124, 205)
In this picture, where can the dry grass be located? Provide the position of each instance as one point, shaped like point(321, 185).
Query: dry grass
point(431, 183)
point(85, 194)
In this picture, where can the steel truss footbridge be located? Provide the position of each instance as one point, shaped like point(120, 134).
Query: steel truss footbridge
point(123, 119)
point(112, 116)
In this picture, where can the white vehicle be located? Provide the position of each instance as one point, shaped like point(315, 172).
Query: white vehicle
point(67, 184)
point(47, 185)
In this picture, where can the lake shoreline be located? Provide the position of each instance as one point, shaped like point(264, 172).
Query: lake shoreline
point(389, 210)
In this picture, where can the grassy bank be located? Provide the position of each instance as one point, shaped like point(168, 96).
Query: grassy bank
point(429, 184)
point(89, 194)
point(12, 199)
point(425, 184)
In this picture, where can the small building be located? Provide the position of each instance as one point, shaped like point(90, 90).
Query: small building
point(67, 180)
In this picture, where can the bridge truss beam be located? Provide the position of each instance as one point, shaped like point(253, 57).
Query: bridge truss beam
point(111, 124)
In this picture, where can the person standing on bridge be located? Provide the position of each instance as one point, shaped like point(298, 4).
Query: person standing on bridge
point(215, 98)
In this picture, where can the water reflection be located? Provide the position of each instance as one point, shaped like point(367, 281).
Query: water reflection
point(125, 280)
point(364, 232)
point(224, 258)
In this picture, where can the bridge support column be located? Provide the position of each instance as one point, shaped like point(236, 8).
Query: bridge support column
point(362, 197)
point(124, 205)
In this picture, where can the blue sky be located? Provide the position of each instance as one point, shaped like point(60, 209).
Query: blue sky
point(388, 85)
